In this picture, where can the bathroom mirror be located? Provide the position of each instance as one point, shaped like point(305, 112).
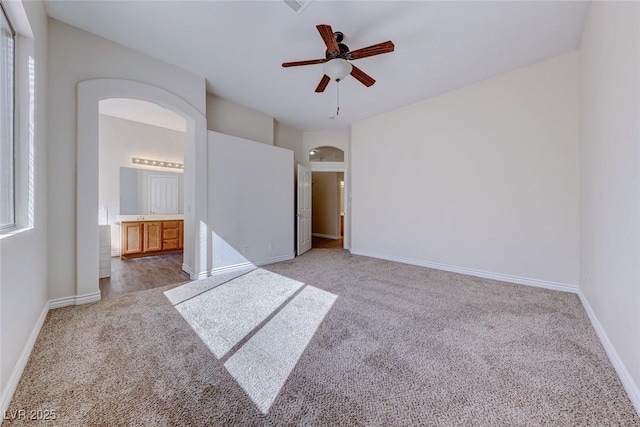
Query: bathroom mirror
point(149, 192)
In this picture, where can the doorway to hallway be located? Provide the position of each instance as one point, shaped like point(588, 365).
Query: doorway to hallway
point(328, 195)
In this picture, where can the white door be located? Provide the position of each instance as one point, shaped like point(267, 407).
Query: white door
point(304, 210)
point(163, 194)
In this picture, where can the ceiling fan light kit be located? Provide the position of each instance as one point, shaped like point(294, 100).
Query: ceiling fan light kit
point(337, 69)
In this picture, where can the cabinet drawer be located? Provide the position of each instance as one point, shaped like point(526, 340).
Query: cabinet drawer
point(170, 244)
point(170, 234)
point(170, 225)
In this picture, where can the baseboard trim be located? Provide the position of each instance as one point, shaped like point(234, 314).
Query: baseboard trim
point(471, 272)
point(244, 265)
point(273, 260)
point(74, 300)
point(192, 275)
point(230, 268)
point(633, 391)
point(14, 379)
point(187, 270)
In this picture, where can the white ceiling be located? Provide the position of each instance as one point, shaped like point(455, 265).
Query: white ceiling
point(143, 112)
point(239, 47)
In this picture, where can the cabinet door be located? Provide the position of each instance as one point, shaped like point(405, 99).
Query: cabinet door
point(131, 238)
point(181, 236)
point(152, 236)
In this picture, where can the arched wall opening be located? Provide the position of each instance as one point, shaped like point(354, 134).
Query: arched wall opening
point(90, 93)
point(326, 153)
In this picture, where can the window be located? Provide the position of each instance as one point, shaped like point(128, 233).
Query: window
point(7, 104)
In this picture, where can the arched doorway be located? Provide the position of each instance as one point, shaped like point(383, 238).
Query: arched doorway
point(90, 93)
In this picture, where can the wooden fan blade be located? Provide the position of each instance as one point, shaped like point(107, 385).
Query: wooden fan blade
point(361, 76)
point(376, 49)
point(329, 39)
point(308, 62)
point(323, 84)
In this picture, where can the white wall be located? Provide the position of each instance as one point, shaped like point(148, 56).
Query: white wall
point(234, 119)
point(610, 178)
point(23, 256)
point(288, 137)
point(325, 213)
point(75, 56)
point(484, 178)
point(120, 140)
point(250, 201)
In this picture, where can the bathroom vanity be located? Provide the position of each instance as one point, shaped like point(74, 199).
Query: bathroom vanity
point(142, 235)
point(151, 216)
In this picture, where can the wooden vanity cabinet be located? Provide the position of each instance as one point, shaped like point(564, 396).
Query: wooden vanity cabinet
point(131, 238)
point(148, 238)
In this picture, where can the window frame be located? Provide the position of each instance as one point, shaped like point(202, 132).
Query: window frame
point(25, 130)
point(12, 224)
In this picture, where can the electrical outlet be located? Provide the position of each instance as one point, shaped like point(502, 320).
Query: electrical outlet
point(270, 247)
point(246, 249)
point(422, 248)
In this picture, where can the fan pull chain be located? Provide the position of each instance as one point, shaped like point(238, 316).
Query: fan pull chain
point(338, 99)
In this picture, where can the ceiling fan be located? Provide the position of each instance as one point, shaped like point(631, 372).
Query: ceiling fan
point(338, 55)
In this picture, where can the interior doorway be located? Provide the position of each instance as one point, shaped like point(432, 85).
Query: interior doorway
point(196, 250)
point(141, 195)
point(328, 209)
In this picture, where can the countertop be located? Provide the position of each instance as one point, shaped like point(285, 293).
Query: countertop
point(136, 218)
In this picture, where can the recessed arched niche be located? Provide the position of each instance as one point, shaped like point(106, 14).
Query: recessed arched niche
point(326, 154)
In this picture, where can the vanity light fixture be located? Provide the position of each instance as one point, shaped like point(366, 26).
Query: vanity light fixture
point(159, 163)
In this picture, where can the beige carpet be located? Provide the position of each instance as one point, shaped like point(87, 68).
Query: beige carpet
point(328, 339)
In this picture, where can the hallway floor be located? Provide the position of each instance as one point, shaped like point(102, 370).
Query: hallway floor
point(324, 243)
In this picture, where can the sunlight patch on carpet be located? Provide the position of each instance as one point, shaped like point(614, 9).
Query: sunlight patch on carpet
point(222, 316)
point(226, 308)
point(192, 289)
point(263, 364)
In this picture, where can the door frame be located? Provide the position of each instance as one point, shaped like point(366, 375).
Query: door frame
point(347, 200)
point(299, 248)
